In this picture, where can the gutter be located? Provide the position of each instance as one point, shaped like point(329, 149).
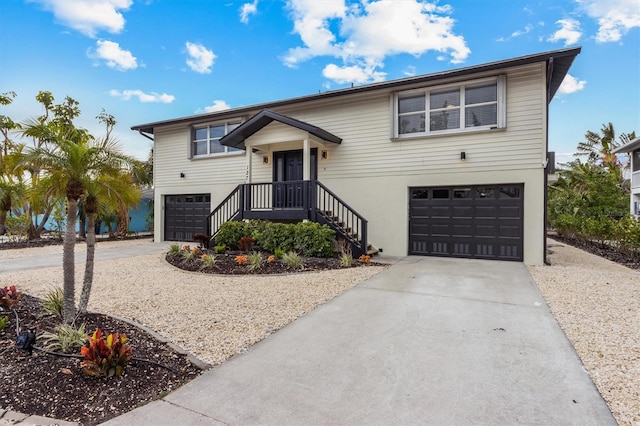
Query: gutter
point(145, 135)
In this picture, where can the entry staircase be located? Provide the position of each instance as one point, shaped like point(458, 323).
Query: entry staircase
point(293, 200)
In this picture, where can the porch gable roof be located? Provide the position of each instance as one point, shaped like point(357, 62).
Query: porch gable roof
point(237, 137)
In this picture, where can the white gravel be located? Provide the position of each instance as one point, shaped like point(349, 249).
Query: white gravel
point(211, 316)
point(597, 304)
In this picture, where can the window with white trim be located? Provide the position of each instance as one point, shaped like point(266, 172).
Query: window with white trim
point(205, 140)
point(477, 105)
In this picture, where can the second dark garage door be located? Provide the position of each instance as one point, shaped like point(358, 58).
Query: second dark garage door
point(472, 221)
point(185, 215)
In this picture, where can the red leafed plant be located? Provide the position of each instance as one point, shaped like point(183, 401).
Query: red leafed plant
point(246, 244)
point(106, 356)
point(9, 297)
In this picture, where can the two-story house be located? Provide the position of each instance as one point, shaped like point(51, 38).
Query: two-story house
point(633, 150)
point(445, 164)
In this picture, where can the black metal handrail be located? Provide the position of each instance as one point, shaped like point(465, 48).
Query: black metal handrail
point(309, 200)
point(341, 217)
point(227, 210)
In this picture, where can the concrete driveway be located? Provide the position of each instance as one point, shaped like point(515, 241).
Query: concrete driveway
point(427, 341)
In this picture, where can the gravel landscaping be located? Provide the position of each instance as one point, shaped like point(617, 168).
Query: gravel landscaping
point(211, 316)
point(597, 304)
point(214, 317)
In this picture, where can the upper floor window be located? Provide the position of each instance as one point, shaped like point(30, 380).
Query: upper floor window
point(475, 105)
point(206, 139)
point(635, 160)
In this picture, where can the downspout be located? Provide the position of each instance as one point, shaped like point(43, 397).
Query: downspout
point(546, 168)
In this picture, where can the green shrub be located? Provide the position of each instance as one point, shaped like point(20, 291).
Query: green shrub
point(278, 253)
point(313, 239)
point(231, 232)
point(65, 339)
point(274, 235)
point(3, 322)
point(53, 302)
point(292, 260)
point(346, 259)
point(220, 249)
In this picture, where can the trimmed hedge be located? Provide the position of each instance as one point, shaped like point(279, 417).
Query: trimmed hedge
point(306, 238)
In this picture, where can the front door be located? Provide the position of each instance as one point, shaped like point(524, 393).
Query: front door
point(288, 189)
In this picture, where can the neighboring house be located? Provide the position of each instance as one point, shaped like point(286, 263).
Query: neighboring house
point(633, 150)
point(445, 164)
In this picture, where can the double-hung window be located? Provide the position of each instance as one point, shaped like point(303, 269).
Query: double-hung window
point(477, 105)
point(206, 139)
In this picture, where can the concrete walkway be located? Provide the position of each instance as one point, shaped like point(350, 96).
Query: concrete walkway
point(428, 341)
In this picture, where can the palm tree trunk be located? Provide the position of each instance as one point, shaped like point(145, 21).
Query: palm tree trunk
point(3, 221)
point(68, 262)
point(88, 270)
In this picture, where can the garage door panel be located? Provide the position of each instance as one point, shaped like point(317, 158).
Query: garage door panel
point(477, 222)
point(185, 216)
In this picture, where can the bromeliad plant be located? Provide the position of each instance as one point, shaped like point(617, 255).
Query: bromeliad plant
point(9, 297)
point(106, 355)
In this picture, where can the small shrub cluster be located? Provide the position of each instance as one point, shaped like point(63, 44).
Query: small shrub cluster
point(53, 302)
point(65, 339)
point(106, 355)
point(3, 322)
point(306, 238)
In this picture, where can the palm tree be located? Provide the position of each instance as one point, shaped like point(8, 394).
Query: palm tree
point(73, 161)
point(11, 192)
point(107, 192)
point(599, 149)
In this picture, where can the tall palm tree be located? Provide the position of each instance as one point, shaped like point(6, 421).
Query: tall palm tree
point(599, 149)
point(106, 192)
point(71, 162)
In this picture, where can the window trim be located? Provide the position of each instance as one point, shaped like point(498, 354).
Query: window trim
point(501, 104)
point(192, 139)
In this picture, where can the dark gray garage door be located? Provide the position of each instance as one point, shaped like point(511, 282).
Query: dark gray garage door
point(472, 221)
point(185, 215)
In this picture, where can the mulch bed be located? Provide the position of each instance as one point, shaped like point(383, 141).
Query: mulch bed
point(55, 386)
point(628, 259)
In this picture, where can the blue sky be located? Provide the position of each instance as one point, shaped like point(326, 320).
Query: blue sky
point(151, 60)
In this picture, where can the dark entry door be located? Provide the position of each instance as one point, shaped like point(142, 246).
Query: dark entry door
point(288, 188)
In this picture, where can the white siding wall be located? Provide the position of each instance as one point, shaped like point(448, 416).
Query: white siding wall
point(372, 172)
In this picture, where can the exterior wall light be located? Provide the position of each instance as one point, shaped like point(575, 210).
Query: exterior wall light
point(181, 174)
point(463, 155)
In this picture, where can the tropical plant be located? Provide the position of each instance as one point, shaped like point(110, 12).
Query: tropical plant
point(174, 249)
point(65, 338)
point(292, 260)
point(9, 297)
point(53, 302)
point(3, 322)
point(208, 260)
point(599, 148)
point(106, 355)
point(255, 260)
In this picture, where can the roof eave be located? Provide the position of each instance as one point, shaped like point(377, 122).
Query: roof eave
point(562, 61)
point(631, 146)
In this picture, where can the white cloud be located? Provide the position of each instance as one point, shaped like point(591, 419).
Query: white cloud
point(569, 32)
point(142, 97)
point(352, 74)
point(218, 105)
point(410, 71)
point(89, 17)
point(570, 84)
point(518, 33)
point(615, 17)
point(114, 56)
point(363, 34)
point(200, 58)
point(247, 10)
